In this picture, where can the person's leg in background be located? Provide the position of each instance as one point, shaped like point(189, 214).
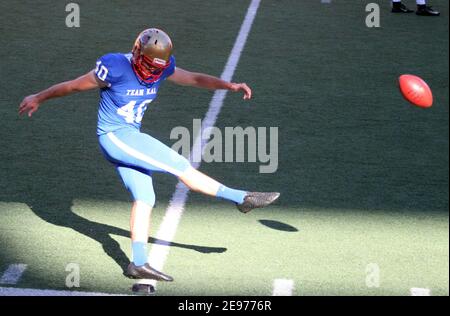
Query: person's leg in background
point(399, 7)
point(422, 8)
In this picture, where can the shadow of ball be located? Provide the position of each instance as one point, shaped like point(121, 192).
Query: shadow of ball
point(278, 225)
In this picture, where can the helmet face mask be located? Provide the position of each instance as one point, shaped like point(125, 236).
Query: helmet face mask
point(151, 54)
point(147, 70)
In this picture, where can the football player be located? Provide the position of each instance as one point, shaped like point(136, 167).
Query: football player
point(422, 8)
point(128, 83)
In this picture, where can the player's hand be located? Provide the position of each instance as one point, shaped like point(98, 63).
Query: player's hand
point(236, 87)
point(29, 105)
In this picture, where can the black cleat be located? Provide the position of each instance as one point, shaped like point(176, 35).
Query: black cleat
point(143, 289)
point(257, 199)
point(424, 10)
point(146, 272)
point(398, 7)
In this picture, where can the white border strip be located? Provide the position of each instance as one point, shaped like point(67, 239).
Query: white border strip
point(13, 274)
point(283, 287)
point(158, 253)
point(417, 291)
point(11, 291)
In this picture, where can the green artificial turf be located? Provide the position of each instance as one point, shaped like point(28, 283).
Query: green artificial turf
point(363, 175)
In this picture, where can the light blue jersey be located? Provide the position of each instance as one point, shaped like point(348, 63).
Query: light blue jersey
point(124, 101)
point(122, 105)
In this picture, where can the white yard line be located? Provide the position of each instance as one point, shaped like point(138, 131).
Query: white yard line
point(417, 291)
point(13, 274)
point(158, 253)
point(11, 291)
point(283, 287)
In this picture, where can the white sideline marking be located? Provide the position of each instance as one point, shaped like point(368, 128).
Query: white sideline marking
point(11, 291)
point(283, 287)
point(158, 253)
point(417, 291)
point(13, 274)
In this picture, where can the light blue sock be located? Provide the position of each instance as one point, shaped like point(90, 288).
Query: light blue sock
point(236, 196)
point(139, 252)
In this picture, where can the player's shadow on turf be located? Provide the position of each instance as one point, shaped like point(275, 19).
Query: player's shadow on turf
point(201, 249)
point(60, 213)
point(50, 183)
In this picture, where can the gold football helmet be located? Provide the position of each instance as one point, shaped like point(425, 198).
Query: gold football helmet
point(151, 54)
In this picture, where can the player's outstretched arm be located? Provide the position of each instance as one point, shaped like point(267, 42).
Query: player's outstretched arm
point(31, 103)
point(199, 80)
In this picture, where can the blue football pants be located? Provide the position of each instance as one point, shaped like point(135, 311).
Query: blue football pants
point(136, 156)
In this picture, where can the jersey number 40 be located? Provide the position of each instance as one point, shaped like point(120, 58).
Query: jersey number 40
point(132, 115)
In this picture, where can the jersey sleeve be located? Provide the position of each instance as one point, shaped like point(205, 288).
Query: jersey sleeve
point(171, 69)
point(108, 69)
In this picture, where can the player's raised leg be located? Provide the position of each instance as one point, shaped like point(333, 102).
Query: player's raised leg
point(143, 151)
point(245, 201)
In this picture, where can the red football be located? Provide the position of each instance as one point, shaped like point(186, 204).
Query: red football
point(415, 90)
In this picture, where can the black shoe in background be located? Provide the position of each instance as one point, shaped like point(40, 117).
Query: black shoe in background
point(425, 10)
point(398, 7)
